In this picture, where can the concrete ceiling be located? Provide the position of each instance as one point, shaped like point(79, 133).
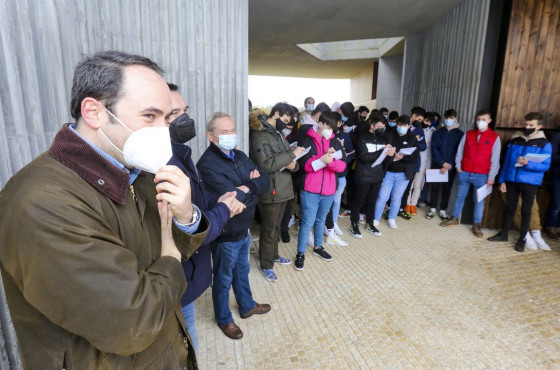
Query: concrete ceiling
point(277, 26)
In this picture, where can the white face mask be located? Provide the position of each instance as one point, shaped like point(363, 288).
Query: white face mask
point(286, 131)
point(146, 149)
point(326, 133)
point(481, 125)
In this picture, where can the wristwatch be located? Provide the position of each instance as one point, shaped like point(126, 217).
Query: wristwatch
point(194, 217)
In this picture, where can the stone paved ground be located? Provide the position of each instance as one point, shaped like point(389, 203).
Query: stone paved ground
point(421, 296)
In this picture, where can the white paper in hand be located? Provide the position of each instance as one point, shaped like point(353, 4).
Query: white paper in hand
point(483, 191)
point(435, 176)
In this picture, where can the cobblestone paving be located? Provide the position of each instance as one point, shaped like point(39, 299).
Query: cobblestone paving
point(420, 296)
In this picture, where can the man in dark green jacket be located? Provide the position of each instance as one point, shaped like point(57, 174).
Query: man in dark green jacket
point(271, 151)
point(90, 252)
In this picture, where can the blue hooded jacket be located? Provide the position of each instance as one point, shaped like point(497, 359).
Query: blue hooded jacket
point(533, 172)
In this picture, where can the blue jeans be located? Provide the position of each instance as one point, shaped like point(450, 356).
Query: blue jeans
point(554, 207)
point(465, 179)
point(394, 184)
point(314, 210)
point(231, 269)
point(190, 321)
point(337, 198)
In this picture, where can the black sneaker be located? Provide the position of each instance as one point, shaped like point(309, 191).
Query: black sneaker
point(298, 264)
point(499, 237)
point(355, 231)
point(285, 237)
point(520, 245)
point(373, 230)
point(321, 252)
point(402, 213)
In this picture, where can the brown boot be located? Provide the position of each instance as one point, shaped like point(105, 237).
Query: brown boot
point(231, 330)
point(451, 222)
point(552, 233)
point(477, 230)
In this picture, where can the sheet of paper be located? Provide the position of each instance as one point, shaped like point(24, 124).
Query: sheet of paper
point(337, 155)
point(534, 157)
point(434, 175)
point(318, 164)
point(299, 156)
point(380, 159)
point(407, 151)
point(483, 192)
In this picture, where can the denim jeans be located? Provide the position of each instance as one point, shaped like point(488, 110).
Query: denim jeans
point(337, 198)
point(554, 207)
point(394, 184)
point(190, 321)
point(465, 179)
point(314, 209)
point(231, 269)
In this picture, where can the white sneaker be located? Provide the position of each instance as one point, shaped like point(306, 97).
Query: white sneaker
point(392, 223)
point(529, 242)
point(362, 218)
point(292, 221)
point(334, 240)
point(311, 240)
point(541, 244)
point(337, 230)
point(375, 223)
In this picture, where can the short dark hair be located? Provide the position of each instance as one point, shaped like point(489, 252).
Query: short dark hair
point(482, 112)
point(383, 109)
point(347, 109)
point(329, 118)
point(450, 113)
point(173, 87)
point(377, 117)
point(322, 107)
point(535, 116)
point(404, 119)
point(363, 109)
point(282, 109)
point(419, 111)
point(100, 77)
point(306, 99)
point(393, 115)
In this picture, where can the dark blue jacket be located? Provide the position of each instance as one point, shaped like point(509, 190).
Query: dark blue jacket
point(221, 174)
point(422, 146)
point(444, 146)
point(533, 172)
point(198, 268)
point(348, 148)
point(555, 160)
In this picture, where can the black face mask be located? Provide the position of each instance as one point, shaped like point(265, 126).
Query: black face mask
point(182, 129)
point(417, 123)
point(425, 125)
point(380, 131)
point(280, 125)
point(528, 131)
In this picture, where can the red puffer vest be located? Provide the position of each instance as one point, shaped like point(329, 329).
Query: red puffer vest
point(477, 155)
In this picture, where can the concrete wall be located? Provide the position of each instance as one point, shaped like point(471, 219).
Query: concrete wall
point(203, 46)
point(389, 82)
point(360, 85)
point(443, 65)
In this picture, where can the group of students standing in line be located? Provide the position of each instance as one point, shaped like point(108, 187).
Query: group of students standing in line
point(381, 160)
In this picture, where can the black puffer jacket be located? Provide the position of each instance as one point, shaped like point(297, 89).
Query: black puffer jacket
point(369, 148)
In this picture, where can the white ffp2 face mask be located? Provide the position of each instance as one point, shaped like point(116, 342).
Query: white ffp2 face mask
point(147, 149)
point(481, 125)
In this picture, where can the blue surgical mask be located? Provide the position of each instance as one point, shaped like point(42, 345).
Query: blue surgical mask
point(392, 124)
point(386, 116)
point(449, 122)
point(344, 118)
point(227, 142)
point(310, 107)
point(401, 130)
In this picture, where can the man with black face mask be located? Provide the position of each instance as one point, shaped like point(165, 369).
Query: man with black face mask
point(198, 268)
